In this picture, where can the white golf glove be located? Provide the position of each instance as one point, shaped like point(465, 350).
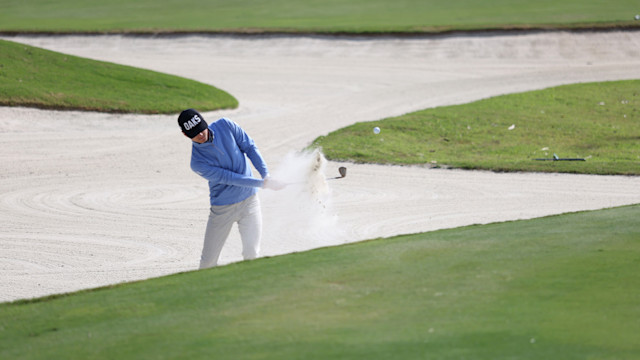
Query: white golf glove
point(272, 184)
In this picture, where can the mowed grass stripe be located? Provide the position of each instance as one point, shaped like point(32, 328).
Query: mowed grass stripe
point(35, 77)
point(355, 16)
point(563, 287)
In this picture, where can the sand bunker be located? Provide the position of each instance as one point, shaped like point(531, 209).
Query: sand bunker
point(89, 199)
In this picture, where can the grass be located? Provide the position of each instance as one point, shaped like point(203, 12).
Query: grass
point(40, 78)
point(561, 287)
point(594, 121)
point(329, 16)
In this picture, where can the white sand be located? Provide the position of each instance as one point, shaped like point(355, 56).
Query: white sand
point(89, 199)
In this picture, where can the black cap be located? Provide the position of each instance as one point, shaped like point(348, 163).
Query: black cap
point(191, 123)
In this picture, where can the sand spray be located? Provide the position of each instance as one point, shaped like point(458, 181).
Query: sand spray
point(300, 215)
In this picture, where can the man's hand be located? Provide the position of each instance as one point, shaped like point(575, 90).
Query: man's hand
point(272, 184)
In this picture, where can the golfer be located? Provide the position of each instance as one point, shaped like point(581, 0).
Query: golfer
point(218, 155)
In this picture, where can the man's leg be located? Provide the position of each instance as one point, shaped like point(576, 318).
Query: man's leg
point(218, 227)
point(250, 227)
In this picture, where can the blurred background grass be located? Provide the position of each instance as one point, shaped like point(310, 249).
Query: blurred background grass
point(311, 15)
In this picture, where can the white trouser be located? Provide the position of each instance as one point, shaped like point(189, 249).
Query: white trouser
point(248, 215)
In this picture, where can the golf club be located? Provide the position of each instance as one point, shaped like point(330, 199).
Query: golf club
point(342, 170)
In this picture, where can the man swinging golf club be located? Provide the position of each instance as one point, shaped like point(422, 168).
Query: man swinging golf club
point(218, 155)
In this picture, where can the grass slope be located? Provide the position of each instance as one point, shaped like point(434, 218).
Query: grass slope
point(311, 15)
point(599, 122)
point(40, 78)
point(561, 287)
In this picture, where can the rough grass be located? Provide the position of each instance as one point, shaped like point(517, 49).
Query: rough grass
point(561, 287)
point(598, 122)
point(40, 78)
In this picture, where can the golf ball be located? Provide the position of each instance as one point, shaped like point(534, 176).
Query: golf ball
point(376, 130)
point(637, 17)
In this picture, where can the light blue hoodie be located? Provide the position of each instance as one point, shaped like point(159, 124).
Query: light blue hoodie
point(222, 161)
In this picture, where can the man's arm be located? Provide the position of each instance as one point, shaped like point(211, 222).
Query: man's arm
point(222, 176)
point(248, 146)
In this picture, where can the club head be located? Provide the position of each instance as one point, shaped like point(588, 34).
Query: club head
point(343, 171)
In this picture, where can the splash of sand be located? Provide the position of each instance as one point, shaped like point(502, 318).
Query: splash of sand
point(302, 212)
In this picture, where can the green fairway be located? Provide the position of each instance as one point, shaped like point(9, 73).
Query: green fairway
point(560, 287)
point(597, 122)
point(311, 15)
point(40, 78)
